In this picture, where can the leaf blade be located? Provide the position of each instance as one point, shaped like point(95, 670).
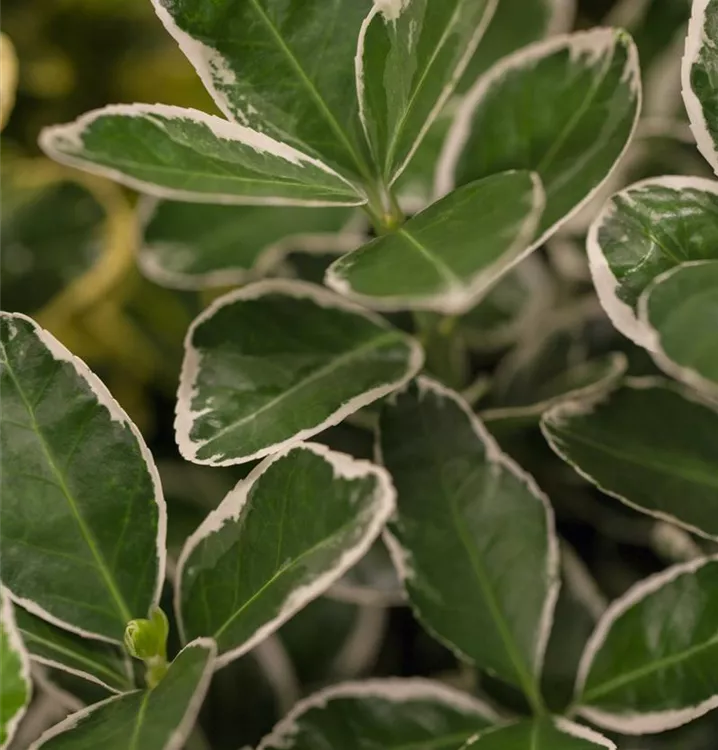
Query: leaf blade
point(16, 685)
point(542, 734)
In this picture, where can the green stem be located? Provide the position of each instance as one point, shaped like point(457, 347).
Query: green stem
point(383, 209)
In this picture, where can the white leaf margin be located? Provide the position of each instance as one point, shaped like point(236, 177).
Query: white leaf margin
point(184, 416)
point(605, 282)
point(230, 509)
point(634, 722)
point(178, 737)
point(7, 616)
point(456, 299)
point(562, 725)
point(687, 375)
point(51, 140)
point(117, 414)
point(593, 43)
point(575, 408)
point(393, 689)
point(401, 557)
point(695, 44)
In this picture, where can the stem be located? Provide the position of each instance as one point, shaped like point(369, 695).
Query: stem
point(383, 209)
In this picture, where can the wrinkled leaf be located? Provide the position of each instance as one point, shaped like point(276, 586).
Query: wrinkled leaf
point(16, 685)
point(650, 664)
point(82, 519)
point(277, 362)
point(541, 734)
point(282, 537)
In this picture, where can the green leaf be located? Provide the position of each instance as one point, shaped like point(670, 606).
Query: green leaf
point(700, 66)
point(565, 108)
point(198, 245)
point(409, 60)
point(280, 539)
point(160, 719)
point(372, 582)
point(464, 509)
point(81, 495)
point(183, 154)
point(542, 734)
point(650, 664)
point(643, 231)
point(90, 659)
point(16, 685)
point(435, 260)
point(277, 362)
point(647, 445)
point(389, 714)
point(301, 88)
point(680, 307)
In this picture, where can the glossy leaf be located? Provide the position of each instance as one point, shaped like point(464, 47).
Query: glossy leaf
point(16, 685)
point(700, 65)
point(277, 362)
point(310, 50)
point(385, 714)
point(650, 664)
point(541, 734)
point(464, 510)
point(83, 519)
point(183, 154)
point(197, 245)
point(565, 108)
point(648, 445)
point(160, 719)
point(282, 537)
point(680, 307)
point(642, 232)
point(92, 660)
point(409, 60)
point(448, 256)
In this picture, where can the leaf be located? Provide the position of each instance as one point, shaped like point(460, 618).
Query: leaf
point(300, 90)
point(410, 57)
point(372, 582)
point(473, 537)
point(541, 734)
point(387, 714)
point(698, 77)
point(92, 660)
point(643, 231)
point(647, 445)
point(83, 519)
point(680, 307)
point(8, 78)
point(435, 261)
point(160, 719)
point(277, 362)
point(565, 108)
point(16, 685)
point(183, 154)
point(649, 665)
point(199, 245)
point(280, 539)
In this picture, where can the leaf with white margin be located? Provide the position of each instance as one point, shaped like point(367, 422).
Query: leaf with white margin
point(82, 519)
point(278, 361)
point(199, 245)
point(160, 719)
point(447, 257)
point(647, 444)
point(16, 685)
point(698, 78)
point(646, 229)
point(680, 307)
point(410, 57)
point(301, 89)
point(650, 665)
point(187, 155)
point(93, 660)
point(473, 537)
point(278, 540)
point(565, 108)
point(542, 734)
point(384, 714)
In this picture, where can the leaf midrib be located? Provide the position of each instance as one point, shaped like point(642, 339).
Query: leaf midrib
point(449, 276)
point(119, 601)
